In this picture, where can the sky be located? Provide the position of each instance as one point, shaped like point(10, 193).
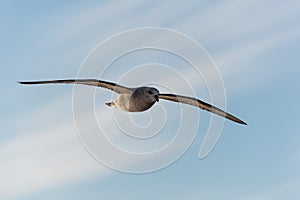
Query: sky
point(254, 46)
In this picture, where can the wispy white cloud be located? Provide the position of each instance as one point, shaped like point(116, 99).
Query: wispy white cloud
point(44, 157)
point(245, 36)
point(232, 61)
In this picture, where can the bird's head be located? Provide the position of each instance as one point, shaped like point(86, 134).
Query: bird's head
point(151, 94)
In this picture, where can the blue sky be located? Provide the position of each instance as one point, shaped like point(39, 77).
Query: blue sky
point(255, 45)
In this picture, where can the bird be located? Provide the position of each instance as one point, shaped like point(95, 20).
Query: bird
point(139, 99)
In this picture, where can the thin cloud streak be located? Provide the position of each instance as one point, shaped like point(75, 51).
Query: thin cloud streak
point(45, 157)
point(232, 60)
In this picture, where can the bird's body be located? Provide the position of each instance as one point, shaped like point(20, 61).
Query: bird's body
point(141, 98)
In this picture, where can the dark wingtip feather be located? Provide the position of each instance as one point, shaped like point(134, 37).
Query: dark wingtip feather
point(239, 121)
point(22, 82)
point(28, 82)
point(244, 123)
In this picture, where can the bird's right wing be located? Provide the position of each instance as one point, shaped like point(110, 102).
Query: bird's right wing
point(92, 82)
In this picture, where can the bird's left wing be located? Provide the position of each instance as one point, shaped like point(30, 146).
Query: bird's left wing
point(201, 104)
point(92, 82)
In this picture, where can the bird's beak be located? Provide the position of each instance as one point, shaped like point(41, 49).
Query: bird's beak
point(156, 98)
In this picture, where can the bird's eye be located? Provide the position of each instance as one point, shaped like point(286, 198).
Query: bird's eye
point(150, 92)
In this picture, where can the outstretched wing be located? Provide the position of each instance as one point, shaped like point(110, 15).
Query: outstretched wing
point(201, 104)
point(92, 82)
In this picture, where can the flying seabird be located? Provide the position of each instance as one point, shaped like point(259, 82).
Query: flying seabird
point(140, 98)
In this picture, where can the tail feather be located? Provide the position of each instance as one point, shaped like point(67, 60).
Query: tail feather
point(110, 104)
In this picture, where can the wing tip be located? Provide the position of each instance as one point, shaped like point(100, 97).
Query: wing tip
point(240, 122)
point(23, 82)
point(244, 123)
point(235, 119)
point(30, 82)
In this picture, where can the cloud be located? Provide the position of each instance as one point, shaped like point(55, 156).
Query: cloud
point(239, 59)
point(43, 158)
